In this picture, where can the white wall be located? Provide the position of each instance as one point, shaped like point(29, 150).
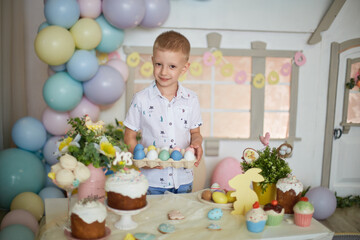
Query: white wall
point(281, 24)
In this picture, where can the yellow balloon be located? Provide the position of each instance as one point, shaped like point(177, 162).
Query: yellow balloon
point(54, 45)
point(87, 33)
point(30, 202)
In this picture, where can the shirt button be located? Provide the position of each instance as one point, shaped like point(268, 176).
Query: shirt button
point(170, 174)
point(169, 105)
point(170, 123)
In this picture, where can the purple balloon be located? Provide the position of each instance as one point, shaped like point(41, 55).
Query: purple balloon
point(49, 150)
point(124, 13)
point(157, 11)
point(106, 87)
point(323, 200)
point(55, 122)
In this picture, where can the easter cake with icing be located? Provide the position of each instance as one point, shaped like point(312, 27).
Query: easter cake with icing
point(88, 218)
point(126, 190)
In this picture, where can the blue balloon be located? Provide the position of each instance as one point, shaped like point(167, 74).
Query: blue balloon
point(50, 148)
point(42, 26)
point(64, 13)
point(112, 37)
point(29, 133)
point(20, 171)
point(16, 232)
point(83, 65)
point(58, 68)
point(61, 92)
point(51, 192)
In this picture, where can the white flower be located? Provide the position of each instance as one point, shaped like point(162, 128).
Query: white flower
point(63, 146)
point(107, 148)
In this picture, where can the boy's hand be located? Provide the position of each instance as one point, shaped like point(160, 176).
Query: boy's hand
point(198, 153)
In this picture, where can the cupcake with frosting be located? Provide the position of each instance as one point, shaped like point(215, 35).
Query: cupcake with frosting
point(274, 212)
point(288, 192)
point(256, 219)
point(303, 212)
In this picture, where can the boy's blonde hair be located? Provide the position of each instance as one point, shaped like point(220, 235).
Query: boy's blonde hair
point(172, 41)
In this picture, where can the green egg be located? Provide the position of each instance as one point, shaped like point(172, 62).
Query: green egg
point(164, 155)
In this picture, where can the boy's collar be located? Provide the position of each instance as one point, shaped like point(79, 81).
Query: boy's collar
point(181, 92)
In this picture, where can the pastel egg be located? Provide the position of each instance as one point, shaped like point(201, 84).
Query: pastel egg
point(176, 155)
point(151, 147)
point(164, 155)
point(215, 214)
point(139, 155)
point(219, 197)
point(138, 147)
point(177, 148)
point(165, 148)
point(152, 154)
point(190, 149)
point(189, 156)
point(288, 150)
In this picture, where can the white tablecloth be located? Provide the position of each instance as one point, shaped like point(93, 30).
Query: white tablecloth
point(194, 226)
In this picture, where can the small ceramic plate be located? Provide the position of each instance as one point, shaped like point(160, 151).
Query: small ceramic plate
point(219, 205)
point(70, 237)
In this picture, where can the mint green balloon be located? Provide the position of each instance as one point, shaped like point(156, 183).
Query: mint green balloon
point(20, 171)
point(61, 92)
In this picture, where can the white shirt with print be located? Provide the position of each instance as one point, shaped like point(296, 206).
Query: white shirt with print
point(165, 123)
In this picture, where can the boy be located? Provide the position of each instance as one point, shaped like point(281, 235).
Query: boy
point(167, 114)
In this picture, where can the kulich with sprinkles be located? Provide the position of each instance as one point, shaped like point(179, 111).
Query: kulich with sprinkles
point(288, 192)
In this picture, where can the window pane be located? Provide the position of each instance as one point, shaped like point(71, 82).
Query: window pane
point(232, 125)
point(353, 115)
point(234, 96)
point(277, 97)
point(238, 63)
point(276, 123)
point(280, 65)
point(205, 128)
point(203, 91)
point(197, 70)
point(353, 111)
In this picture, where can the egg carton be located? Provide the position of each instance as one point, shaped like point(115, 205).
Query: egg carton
point(169, 163)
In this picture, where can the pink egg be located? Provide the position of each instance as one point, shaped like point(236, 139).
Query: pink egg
point(190, 149)
point(177, 148)
point(225, 170)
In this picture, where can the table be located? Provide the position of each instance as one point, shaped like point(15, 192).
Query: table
point(194, 226)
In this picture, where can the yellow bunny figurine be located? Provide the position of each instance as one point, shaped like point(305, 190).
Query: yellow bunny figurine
point(245, 196)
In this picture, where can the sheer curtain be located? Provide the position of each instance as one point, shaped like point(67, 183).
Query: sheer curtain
point(12, 68)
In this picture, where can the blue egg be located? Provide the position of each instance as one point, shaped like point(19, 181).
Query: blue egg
point(215, 214)
point(139, 155)
point(138, 147)
point(176, 155)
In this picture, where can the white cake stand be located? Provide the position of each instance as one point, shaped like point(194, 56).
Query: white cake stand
point(126, 222)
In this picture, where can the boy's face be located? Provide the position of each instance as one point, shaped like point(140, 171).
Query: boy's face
point(168, 67)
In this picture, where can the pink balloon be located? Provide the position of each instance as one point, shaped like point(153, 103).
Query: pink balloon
point(86, 107)
point(225, 170)
point(55, 122)
point(121, 66)
point(20, 216)
point(90, 8)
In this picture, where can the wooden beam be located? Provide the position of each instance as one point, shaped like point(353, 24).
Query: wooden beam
point(326, 21)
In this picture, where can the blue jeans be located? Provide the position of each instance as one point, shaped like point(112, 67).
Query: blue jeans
point(186, 188)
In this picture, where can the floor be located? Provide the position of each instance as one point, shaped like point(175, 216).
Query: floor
point(344, 220)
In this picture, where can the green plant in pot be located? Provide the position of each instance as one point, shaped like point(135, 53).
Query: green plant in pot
point(273, 167)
